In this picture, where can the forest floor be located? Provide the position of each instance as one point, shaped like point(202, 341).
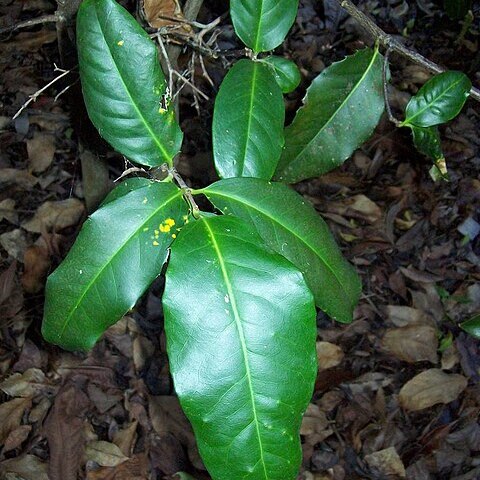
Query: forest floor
point(112, 414)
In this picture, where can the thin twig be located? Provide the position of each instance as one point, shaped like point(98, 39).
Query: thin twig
point(128, 171)
point(191, 85)
point(167, 61)
point(34, 97)
point(191, 9)
point(30, 23)
point(393, 44)
point(385, 90)
point(186, 191)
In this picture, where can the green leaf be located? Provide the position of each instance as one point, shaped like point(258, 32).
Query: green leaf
point(126, 186)
point(427, 141)
point(262, 25)
point(248, 122)
point(341, 109)
point(291, 227)
point(439, 100)
point(286, 73)
point(240, 326)
point(118, 253)
point(472, 326)
point(123, 84)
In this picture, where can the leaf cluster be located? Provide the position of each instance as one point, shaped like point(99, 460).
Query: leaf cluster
point(241, 284)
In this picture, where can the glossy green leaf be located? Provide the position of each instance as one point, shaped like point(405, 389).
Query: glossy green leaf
point(286, 73)
point(291, 227)
point(472, 326)
point(118, 253)
point(248, 122)
point(123, 84)
point(439, 100)
point(341, 109)
point(427, 141)
point(126, 186)
point(240, 326)
point(262, 25)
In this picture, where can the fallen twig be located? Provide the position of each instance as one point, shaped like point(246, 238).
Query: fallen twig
point(392, 44)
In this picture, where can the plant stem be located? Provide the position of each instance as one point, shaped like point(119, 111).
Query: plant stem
point(391, 117)
point(187, 192)
point(34, 96)
point(30, 23)
point(393, 44)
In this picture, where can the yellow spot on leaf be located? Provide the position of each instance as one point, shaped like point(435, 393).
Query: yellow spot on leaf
point(174, 235)
point(166, 225)
point(120, 43)
point(155, 243)
point(145, 200)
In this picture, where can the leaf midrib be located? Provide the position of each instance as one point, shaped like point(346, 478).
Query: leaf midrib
point(111, 259)
point(249, 113)
point(428, 105)
point(241, 334)
point(259, 27)
point(340, 107)
point(157, 141)
point(275, 221)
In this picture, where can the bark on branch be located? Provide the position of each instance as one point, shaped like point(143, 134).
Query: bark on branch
point(393, 45)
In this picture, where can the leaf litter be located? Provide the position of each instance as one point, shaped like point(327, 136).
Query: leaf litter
point(397, 395)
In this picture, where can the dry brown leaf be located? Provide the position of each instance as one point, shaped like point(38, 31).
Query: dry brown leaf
point(143, 349)
point(125, 439)
point(358, 206)
point(103, 399)
point(135, 468)
point(329, 355)
point(37, 265)
point(17, 437)
point(56, 216)
point(14, 243)
point(167, 417)
point(30, 41)
point(450, 357)
point(65, 432)
point(165, 13)
point(25, 385)
point(41, 149)
point(431, 387)
point(11, 414)
point(419, 276)
point(386, 462)
point(106, 454)
point(7, 282)
point(7, 211)
point(414, 343)
point(401, 316)
point(167, 454)
point(38, 413)
point(22, 178)
point(26, 467)
point(96, 182)
point(314, 421)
